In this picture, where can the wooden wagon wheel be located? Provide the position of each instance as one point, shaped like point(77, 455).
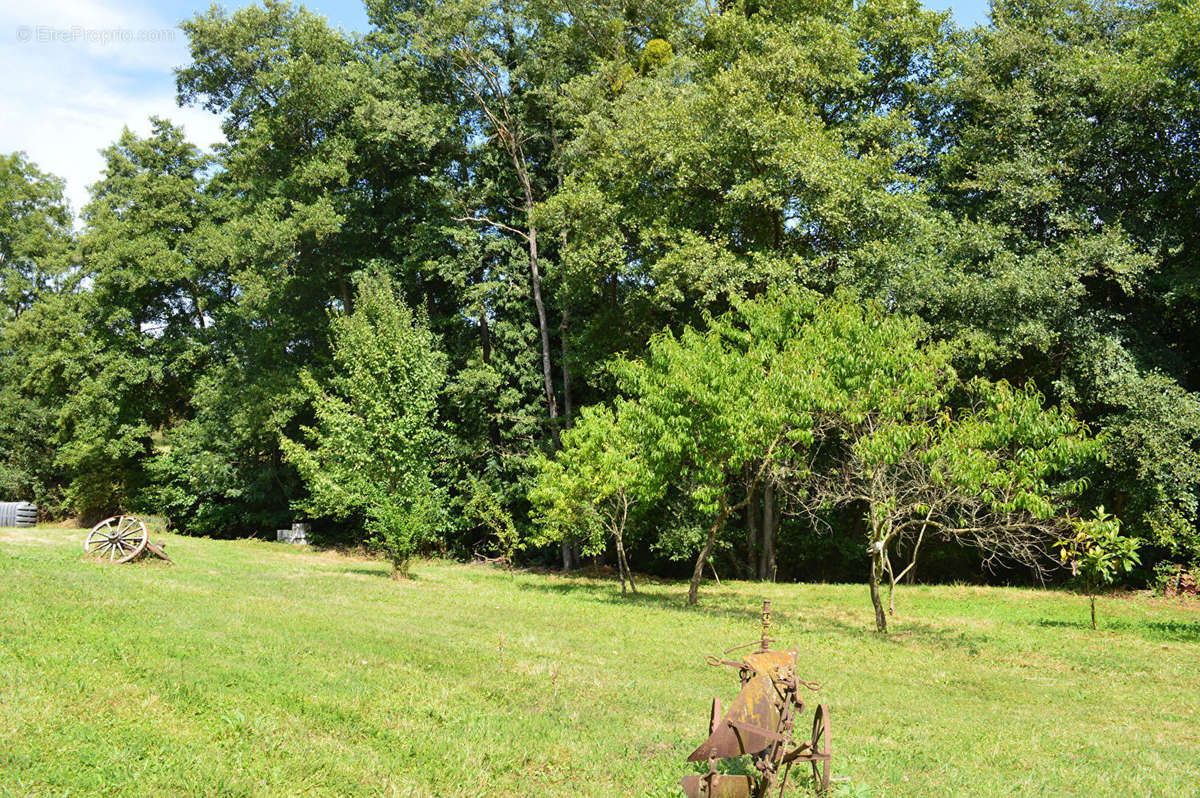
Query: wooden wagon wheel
point(118, 539)
point(820, 749)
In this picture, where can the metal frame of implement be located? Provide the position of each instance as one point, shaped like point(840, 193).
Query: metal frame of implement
point(122, 538)
point(760, 722)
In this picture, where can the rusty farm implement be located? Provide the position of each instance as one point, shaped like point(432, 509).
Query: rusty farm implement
point(761, 723)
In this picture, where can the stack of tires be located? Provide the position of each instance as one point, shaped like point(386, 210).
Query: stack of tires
point(17, 514)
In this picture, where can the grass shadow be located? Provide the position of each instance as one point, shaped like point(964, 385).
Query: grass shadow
point(380, 572)
point(1179, 631)
point(905, 631)
point(606, 593)
point(384, 572)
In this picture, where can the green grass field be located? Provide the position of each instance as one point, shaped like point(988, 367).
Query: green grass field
point(251, 668)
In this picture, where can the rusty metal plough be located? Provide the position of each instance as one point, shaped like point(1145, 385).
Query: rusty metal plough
point(761, 722)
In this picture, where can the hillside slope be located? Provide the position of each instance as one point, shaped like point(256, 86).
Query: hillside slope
point(251, 668)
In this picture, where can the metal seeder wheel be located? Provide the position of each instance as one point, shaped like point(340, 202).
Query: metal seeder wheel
point(122, 538)
point(760, 722)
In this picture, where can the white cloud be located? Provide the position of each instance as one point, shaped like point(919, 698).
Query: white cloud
point(78, 71)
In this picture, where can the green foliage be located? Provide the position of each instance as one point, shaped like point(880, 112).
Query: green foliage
point(1064, 158)
point(318, 183)
point(483, 505)
point(838, 403)
point(36, 270)
point(589, 491)
point(586, 491)
point(35, 235)
point(376, 439)
point(562, 187)
point(36, 373)
point(221, 473)
point(655, 55)
point(1098, 554)
point(144, 318)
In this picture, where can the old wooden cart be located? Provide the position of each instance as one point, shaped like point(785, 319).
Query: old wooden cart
point(122, 538)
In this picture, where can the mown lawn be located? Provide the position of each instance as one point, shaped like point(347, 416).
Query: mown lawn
point(251, 668)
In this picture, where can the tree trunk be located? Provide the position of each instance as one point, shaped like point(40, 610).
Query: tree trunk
point(570, 555)
point(1093, 597)
point(698, 571)
point(876, 575)
point(770, 527)
point(623, 564)
point(752, 519)
point(197, 305)
point(543, 328)
point(566, 372)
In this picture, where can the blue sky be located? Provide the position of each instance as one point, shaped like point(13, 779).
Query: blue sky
point(80, 70)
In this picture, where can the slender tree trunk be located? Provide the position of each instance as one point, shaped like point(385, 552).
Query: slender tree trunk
point(751, 536)
point(1093, 597)
point(623, 564)
point(621, 571)
point(568, 547)
point(566, 372)
point(775, 519)
point(770, 526)
point(509, 135)
point(876, 576)
point(543, 328)
point(197, 305)
point(698, 571)
point(562, 254)
point(535, 279)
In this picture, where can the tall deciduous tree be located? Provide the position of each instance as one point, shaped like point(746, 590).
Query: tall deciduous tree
point(35, 235)
point(1066, 153)
point(325, 173)
point(37, 276)
point(376, 442)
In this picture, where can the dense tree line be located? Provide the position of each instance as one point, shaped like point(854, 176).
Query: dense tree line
point(428, 258)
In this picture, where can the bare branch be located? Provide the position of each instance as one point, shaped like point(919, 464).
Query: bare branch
point(492, 223)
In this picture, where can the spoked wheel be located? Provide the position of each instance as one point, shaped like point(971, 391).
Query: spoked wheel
point(117, 539)
point(820, 749)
